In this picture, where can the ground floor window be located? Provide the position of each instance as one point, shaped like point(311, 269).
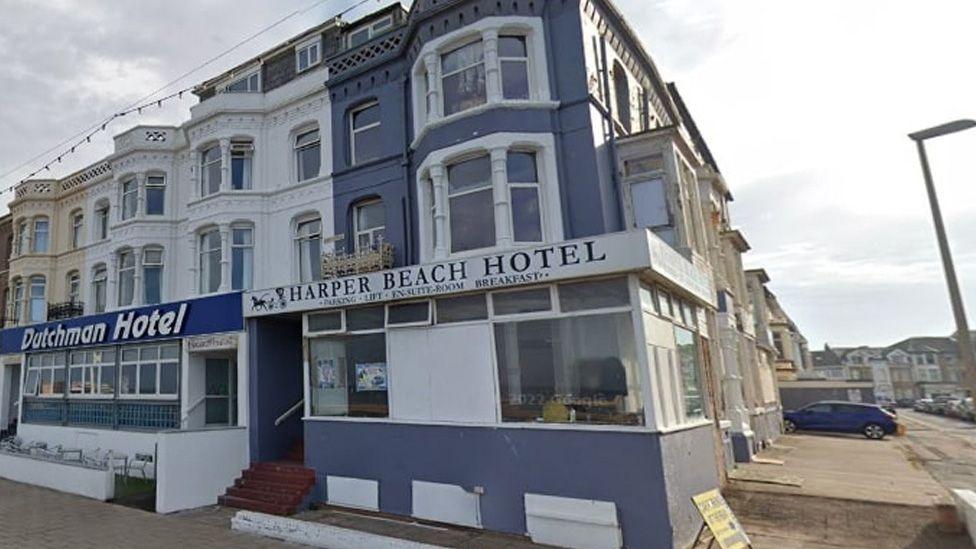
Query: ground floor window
point(348, 375)
point(150, 370)
point(580, 369)
point(92, 372)
point(691, 384)
point(45, 375)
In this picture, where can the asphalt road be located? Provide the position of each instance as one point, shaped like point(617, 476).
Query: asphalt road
point(944, 446)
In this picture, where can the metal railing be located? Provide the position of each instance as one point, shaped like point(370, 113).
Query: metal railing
point(291, 411)
point(67, 309)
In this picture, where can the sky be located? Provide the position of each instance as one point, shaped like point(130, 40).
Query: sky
point(805, 105)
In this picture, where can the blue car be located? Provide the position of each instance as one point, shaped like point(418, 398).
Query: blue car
point(871, 420)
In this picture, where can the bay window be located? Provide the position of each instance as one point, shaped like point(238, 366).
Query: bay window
point(45, 375)
point(523, 184)
point(246, 84)
point(691, 382)
point(101, 221)
point(308, 249)
point(150, 371)
point(74, 287)
point(41, 236)
point(38, 303)
point(463, 78)
point(126, 277)
point(18, 300)
point(99, 285)
point(210, 171)
point(471, 204)
point(370, 224)
point(77, 225)
point(241, 159)
point(152, 275)
point(364, 135)
point(155, 195)
point(210, 251)
point(129, 199)
point(23, 237)
point(92, 372)
point(308, 157)
point(513, 59)
point(242, 258)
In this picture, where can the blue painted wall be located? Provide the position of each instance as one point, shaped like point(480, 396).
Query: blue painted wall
point(622, 467)
point(275, 384)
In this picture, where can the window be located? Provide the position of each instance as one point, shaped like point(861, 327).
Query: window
point(367, 32)
point(92, 372)
point(514, 302)
point(307, 56)
point(245, 84)
point(648, 195)
point(408, 314)
point(324, 322)
point(241, 158)
point(597, 294)
point(41, 233)
point(23, 237)
point(463, 78)
point(471, 204)
point(461, 309)
point(513, 58)
point(127, 277)
point(45, 375)
point(580, 369)
point(365, 133)
point(18, 300)
point(155, 195)
point(210, 250)
point(308, 246)
point(242, 258)
point(348, 375)
point(523, 184)
point(307, 156)
point(365, 318)
point(210, 171)
point(152, 275)
point(77, 225)
point(691, 384)
point(101, 221)
point(74, 287)
point(150, 371)
point(99, 284)
point(621, 89)
point(38, 305)
point(370, 225)
point(130, 194)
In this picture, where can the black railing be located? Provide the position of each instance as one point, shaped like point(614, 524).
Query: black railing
point(68, 309)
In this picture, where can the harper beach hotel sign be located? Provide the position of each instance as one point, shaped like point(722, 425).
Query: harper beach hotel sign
point(196, 316)
point(606, 254)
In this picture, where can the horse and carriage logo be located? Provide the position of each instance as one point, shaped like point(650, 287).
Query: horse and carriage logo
point(269, 302)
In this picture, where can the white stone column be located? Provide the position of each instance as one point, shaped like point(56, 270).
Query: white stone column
point(137, 293)
point(195, 175)
point(503, 206)
point(224, 165)
point(140, 194)
point(112, 292)
point(192, 241)
point(432, 62)
point(439, 183)
point(224, 258)
point(493, 74)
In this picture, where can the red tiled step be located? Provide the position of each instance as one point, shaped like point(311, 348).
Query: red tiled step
point(285, 468)
point(269, 486)
point(292, 499)
point(259, 506)
point(280, 478)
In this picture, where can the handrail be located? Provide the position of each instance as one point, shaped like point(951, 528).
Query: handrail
point(189, 409)
point(291, 411)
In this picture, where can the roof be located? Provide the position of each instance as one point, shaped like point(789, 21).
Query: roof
point(925, 345)
point(689, 123)
point(760, 273)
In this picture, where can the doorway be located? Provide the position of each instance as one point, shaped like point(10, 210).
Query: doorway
point(220, 399)
point(10, 403)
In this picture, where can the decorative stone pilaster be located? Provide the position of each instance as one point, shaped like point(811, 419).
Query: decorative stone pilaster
point(493, 76)
point(432, 63)
point(224, 165)
point(195, 175)
point(112, 292)
point(137, 290)
point(140, 194)
point(503, 206)
point(192, 242)
point(438, 180)
point(224, 258)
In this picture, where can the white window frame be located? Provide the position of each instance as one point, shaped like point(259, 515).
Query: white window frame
point(300, 241)
point(39, 367)
point(298, 149)
point(443, 75)
point(123, 270)
point(205, 171)
point(99, 277)
point(527, 60)
point(101, 224)
point(32, 283)
point(428, 322)
point(373, 30)
point(146, 251)
point(155, 181)
point(47, 235)
point(371, 232)
point(203, 254)
point(245, 77)
point(244, 149)
point(93, 369)
point(248, 267)
point(73, 287)
point(158, 361)
point(537, 186)
point(353, 130)
point(125, 212)
point(308, 46)
point(17, 303)
point(77, 228)
point(23, 236)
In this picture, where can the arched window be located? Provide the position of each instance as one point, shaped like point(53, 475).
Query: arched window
point(155, 194)
point(621, 89)
point(38, 304)
point(369, 224)
point(77, 219)
point(308, 249)
point(73, 287)
point(101, 220)
point(42, 229)
point(99, 285)
point(210, 250)
point(127, 277)
point(152, 275)
point(308, 157)
point(210, 172)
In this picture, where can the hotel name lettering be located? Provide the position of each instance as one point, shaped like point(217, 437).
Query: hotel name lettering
point(130, 325)
point(479, 273)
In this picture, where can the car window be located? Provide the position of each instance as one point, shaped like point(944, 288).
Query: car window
point(849, 409)
point(820, 408)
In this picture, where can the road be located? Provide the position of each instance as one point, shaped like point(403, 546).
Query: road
point(944, 446)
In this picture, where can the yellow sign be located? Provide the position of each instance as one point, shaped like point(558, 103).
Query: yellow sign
point(721, 521)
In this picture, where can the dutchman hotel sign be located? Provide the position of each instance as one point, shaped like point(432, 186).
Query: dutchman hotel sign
point(614, 253)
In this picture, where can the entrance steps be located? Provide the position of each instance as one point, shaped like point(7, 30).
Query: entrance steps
point(273, 487)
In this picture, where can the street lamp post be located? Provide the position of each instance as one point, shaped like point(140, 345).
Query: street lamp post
point(963, 337)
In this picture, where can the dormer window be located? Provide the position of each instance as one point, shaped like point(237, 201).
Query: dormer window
point(365, 33)
point(250, 83)
point(308, 55)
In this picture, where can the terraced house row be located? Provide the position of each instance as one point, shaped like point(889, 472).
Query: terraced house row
point(470, 262)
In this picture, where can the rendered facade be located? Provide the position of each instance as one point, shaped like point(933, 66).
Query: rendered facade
point(470, 263)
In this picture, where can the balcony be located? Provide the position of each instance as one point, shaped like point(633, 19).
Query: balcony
point(375, 258)
point(62, 311)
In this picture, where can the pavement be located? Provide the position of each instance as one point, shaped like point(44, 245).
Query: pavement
point(944, 447)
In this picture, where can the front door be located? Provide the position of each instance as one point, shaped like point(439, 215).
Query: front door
point(221, 400)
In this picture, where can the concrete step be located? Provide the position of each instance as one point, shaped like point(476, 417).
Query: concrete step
point(256, 505)
point(291, 499)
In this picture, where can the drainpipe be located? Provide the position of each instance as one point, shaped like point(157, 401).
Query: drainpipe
point(405, 165)
point(612, 138)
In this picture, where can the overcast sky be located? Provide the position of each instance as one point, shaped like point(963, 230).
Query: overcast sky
point(804, 104)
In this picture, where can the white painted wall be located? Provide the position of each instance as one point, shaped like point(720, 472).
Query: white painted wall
point(359, 493)
point(572, 522)
point(196, 467)
point(445, 503)
point(123, 442)
point(73, 479)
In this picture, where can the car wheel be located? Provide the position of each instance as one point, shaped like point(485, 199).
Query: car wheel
point(874, 431)
point(789, 426)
